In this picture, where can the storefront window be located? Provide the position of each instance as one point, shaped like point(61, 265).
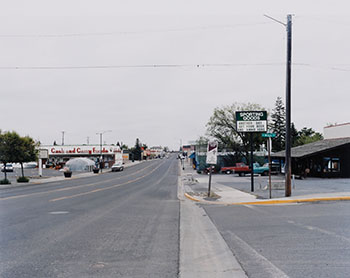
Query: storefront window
point(331, 164)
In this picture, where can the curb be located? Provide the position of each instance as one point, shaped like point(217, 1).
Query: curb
point(273, 202)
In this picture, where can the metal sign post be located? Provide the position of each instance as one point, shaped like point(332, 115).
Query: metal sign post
point(251, 121)
point(269, 146)
point(212, 153)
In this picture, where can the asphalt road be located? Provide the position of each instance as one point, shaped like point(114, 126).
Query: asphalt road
point(121, 224)
point(308, 240)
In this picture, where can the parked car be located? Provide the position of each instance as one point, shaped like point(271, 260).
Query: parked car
point(239, 168)
point(8, 168)
point(118, 166)
point(262, 170)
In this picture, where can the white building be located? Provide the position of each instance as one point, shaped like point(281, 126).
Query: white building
point(336, 131)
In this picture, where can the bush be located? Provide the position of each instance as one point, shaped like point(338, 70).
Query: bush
point(22, 179)
point(5, 181)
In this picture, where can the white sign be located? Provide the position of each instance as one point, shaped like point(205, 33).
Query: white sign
point(212, 152)
point(43, 154)
point(248, 126)
point(82, 150)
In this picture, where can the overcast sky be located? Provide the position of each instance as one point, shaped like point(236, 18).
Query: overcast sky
point(85, 67)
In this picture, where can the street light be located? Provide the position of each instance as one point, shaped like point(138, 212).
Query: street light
point(288, 162)
point(100, 133)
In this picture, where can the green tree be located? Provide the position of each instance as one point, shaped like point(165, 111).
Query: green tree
point(222, 126)
point(136, 151)
point(308, 135)
point(278, 125)
point(16, 149)
point(28, 151)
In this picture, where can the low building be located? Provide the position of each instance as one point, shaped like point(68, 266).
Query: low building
point(327, 158)
point(59, 155)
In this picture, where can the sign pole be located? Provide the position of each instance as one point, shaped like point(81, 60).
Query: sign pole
point(251, 162)
point(270, 165)
point(209, 187)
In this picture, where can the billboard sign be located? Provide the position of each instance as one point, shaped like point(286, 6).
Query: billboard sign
point(251, 121)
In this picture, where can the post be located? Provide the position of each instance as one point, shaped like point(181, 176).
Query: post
point(251, 163)
point(40, 167)
point(101, 162)
point(209, 187)
point(288, 166)
point(63, 138)
point(270, 165)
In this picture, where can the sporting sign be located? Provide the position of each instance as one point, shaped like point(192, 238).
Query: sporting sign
point(212, 152)
point(251, 121)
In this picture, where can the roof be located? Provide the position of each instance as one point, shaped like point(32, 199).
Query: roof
point(314, 148)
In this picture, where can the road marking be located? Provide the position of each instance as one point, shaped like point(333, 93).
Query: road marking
point(58, 212)
point(104, 188)
point(312, 228)
point(71, 187)
point(274, 271)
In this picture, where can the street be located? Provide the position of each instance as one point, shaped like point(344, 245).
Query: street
point(129, 224)
point(302, 240)
point(122, 224)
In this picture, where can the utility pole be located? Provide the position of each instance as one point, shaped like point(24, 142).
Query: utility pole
point(63, 137)
point(288, 160)
point(288, 165)
point(88, 140)
point(101, 157)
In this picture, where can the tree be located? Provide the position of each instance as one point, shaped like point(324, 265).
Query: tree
point(308, 135)
point(28, 151)
point(14, 148)
point(222, 126)
point(278, 125)
point(136, 151)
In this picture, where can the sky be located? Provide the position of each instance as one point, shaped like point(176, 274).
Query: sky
point(156, 70)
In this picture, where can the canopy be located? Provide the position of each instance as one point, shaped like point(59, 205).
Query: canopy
point(80, 164)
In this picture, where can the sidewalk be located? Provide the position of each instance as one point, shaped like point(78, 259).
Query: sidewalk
point(60, 177)
point(234, 190)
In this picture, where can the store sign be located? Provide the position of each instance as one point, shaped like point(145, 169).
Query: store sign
point(83, 150)
point(212, 152)
point(251, 121)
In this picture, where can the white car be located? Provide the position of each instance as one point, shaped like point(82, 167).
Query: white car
point(118, 166)
point(8, 168)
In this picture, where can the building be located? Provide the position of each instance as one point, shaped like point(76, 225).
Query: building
point(328, 158)
point(59, 155)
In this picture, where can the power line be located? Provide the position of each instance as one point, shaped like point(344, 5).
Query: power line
point(335, 67)
point(131, 32)
point(137, 66)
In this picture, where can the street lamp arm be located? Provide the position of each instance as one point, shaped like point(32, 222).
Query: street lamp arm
point(280, 22)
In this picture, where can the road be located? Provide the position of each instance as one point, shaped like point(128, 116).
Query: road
point(129, 224)
point(301, 240)
point(122, 224)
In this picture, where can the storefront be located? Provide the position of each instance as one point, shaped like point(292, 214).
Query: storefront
point(59, 155)
point(326, 158)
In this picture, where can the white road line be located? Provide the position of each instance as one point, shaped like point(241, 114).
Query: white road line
point(269, 267)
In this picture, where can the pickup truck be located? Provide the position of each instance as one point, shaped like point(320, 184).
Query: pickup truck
point(239, 168)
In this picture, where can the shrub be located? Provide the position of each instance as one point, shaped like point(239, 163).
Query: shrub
point(5, 181)
point(22, 179)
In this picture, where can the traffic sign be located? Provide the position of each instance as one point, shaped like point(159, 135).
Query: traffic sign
point(269, 135)
point(212, 152)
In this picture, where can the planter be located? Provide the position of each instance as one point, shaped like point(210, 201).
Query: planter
point(67, 174)
point(96, 171)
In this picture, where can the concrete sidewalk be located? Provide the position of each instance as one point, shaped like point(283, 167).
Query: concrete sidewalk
point(232, 190)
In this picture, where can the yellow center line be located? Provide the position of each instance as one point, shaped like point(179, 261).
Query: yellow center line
point(104, 188)
point(71, 187)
